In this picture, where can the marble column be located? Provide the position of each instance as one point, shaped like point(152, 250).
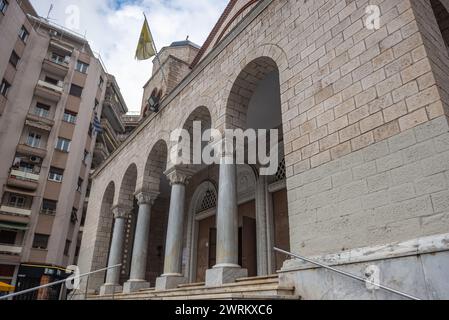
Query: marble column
point(115, 256)
point(263, 248)
point(172, 276)
point(137, 281)
point(227, 269)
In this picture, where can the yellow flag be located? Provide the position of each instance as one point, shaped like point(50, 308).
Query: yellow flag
point(145, 48)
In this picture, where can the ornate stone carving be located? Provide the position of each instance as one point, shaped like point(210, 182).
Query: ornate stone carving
point(179, 175)
point(121, 212)
point(146, 197)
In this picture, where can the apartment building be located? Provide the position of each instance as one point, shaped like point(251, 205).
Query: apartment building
point(53, 87)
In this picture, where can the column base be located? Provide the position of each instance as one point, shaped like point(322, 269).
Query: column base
point(132, 286)
point(109, 289)
point(169, 282)
point(219, 276)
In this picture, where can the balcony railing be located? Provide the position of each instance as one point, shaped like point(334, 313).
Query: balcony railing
point(56, 66)
point(23, 180)
point(58, 88)
point(23, 175)
point(10, 249)
point(49, 91)
point(15, 211)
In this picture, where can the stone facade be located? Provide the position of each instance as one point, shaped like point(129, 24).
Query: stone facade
point(364, 119)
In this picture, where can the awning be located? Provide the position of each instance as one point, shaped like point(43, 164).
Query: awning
point(13, 226)
point(6, 287)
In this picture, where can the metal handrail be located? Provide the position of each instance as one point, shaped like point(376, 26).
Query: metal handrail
point(72, 277)
point(347, 274)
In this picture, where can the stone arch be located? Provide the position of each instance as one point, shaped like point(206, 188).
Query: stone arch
point(243, 89)
point(192, 224)
point(104, 235)
point(128, 187)
point(203, 115)
point(442, 16)
point(155, 167)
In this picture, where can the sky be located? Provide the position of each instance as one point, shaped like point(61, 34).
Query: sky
point(113, 28)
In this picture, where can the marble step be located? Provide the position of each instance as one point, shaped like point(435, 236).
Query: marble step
point(261, 278)
point(223, 296)
point(260, 293)
point(266, 289)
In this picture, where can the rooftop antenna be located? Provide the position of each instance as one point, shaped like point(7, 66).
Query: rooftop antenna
point(49, 11)
point(187, 39)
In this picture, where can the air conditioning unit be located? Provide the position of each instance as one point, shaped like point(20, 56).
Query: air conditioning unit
point(61, 84)
point(53, 33)
point(35, 159)
point(67, 59)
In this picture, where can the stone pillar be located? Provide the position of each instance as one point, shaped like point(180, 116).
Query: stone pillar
point(263, 248)
point(172, 276)
point(227, 269)
point(115, 256)
point(137, 281)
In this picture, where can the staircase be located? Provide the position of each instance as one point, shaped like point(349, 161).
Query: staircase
point(257, 288)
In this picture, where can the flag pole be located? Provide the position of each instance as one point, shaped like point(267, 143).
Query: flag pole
point(153, 43)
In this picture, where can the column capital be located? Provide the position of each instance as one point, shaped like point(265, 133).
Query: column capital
point(179, 175)
point(146, 197)
point(121, 212)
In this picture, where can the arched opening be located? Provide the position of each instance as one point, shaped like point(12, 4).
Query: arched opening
point(442, 16)
point(255, 103)
point(104, 237)
point(202, 116)
point(128, 200)
point(155, 181)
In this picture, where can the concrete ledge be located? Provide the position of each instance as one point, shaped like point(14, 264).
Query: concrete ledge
point(431, 244)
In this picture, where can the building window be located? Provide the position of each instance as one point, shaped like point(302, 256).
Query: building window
point(56, 175)
point(49, 207)
point(4, 88)
point(16, 201)
point(23, 34)
point(70, 117)
point(100, 82)
point(8, 237)
point(40, 241)
point(68, 243)
point(81, 67)
point(42, 110)
point(57, 58)
point(76, 91)
point(79, 185)
point(63, 145)
point(34, 140)
point(3, 6)
point(14, 59)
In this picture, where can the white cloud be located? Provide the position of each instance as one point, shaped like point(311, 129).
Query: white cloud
point(113, 27)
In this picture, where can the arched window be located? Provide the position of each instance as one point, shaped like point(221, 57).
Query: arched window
point(207, 201)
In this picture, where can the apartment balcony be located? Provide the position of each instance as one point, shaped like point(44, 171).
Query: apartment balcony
point(10, 249)
point(23, 180)
point(56, 67)
point(38, 122)
point(14, 215)
point(31, 151)
point(49, 91)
